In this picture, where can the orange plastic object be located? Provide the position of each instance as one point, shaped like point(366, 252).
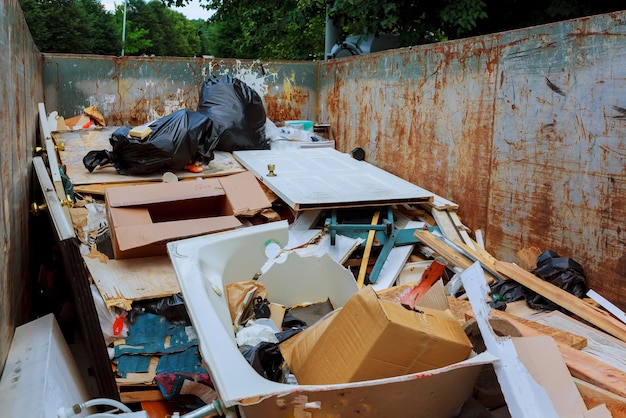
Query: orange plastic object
point(194, 168)
point(433, 273)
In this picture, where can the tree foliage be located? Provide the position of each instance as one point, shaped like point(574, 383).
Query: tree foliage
point(73, 26)
point(284, 29)
point(294, 28)
point(84, 26)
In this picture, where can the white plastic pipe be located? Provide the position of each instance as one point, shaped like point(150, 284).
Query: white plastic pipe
point(78, 408)
point(209, 410)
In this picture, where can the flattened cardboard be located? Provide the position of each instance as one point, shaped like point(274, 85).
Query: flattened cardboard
point(143, 218)
point(370, 338)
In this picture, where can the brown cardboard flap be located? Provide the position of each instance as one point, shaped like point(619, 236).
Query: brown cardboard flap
point(162, 192)
point(133, 236)
point(244, 193)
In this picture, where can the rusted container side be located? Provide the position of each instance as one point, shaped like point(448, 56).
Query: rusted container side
point(524, 130)
point(559, 157)
point(134, 90)
point(20, 87)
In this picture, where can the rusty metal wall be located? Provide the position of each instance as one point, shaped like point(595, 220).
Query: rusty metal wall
point(524, 130)
point(134, 90)
point(21, 89)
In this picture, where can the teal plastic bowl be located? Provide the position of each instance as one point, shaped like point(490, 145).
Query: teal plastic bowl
point(306, 125)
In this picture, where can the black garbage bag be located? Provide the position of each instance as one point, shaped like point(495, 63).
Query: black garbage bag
point(561, 272)
point(171, 307)
point(176, 140)
point(237, 112)
point(564, 273)
point(266, 359)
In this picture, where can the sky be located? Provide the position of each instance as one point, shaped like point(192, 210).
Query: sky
point(191, 11)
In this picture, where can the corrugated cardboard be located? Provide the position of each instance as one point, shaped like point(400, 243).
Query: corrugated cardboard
point(143, 218)
point(370, 338)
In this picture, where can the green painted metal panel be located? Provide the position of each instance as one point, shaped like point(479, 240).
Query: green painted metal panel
point(134, 90)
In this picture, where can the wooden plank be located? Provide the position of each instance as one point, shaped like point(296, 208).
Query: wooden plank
point(580, 364)
point(141, 396)
point(445, 224)
point(366, 252)
point(564, 337)
point(448, 253)
point(120, 282)
point(608, 305)
point(62, 224)
point(325, 178)
point(594, 396)
point(53, 163)
point(564, 299)
point(461, 229)
point(78, 143)
point(599, 344)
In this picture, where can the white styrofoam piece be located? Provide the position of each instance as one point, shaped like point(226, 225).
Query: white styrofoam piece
point(205, 265)
point(40, 375)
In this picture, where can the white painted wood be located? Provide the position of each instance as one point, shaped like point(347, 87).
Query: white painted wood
point(533, 386)
point(396, 259)
point(524, 397)
point(61, 222)
point(40, 375)
point(53, 161)
point(326, 178)
point(606, 304)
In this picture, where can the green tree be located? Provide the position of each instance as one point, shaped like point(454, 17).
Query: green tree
point(67, 25)
point(294, 29)
point(102, 29)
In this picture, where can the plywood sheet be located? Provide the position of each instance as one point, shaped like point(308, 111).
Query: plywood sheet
point(326, 178)
point(78, 143)
point(120, 282)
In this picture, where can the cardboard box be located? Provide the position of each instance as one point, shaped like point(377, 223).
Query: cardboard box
point(143, 218)
point(370, 338)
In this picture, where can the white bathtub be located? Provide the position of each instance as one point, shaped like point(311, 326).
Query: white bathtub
point(204, 265)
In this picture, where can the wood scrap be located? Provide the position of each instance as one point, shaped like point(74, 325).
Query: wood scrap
point(596, 316)
point(594, 396)
point(580, 364)
point(366, 252)
point(452, 256)
point(564, 337)
point(528, 257)
point(599, 344)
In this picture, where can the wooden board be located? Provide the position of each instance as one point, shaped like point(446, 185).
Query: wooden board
point(596, 316)
point(326, 178)
point(599, 344)
point(594, 396)
point(120, 282)
point(580, 364)
point(78, 143)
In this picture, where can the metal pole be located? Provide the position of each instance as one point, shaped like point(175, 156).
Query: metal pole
point(124, 28)
point(332, 33)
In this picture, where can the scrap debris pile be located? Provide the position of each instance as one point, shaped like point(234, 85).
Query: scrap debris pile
point(315, 313)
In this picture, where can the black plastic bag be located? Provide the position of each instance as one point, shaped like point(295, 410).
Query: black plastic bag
point(176, 140)
point(171, 307)
point(266, 359)
point(237, 112)
point(562, 272)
